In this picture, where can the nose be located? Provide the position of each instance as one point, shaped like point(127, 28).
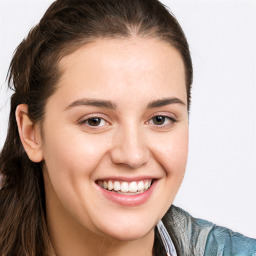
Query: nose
point(130, 148)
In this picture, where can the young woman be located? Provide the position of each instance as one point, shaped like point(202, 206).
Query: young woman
point(98, 137)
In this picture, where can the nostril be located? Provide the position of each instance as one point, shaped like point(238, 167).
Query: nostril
point(134, 158)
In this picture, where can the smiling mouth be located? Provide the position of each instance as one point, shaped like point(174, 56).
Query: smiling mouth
point(125, 187)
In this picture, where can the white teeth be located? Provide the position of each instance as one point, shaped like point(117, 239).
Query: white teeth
point(146, 185)
point(124, 186)
point(110, 185)
point(140, 186)
point(105, 184)
point(133, 187)
point(117, 186)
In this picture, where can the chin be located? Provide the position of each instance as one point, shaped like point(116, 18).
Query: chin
point(128, 236)
point(127, 231)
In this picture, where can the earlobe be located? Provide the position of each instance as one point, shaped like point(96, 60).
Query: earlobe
point(30, 135)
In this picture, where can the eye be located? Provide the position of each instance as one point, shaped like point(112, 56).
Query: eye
point(158, 120)
point(94, 122)
point(161, 121)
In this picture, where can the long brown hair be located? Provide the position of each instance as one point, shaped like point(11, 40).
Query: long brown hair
point(33, 74)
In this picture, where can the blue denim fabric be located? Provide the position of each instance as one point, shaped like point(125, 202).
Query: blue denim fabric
point(196, 237)
point(224, 242)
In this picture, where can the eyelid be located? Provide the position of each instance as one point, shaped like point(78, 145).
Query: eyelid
point(162, 113)
point(82, 120)
point(171, 120)
point(162, 125)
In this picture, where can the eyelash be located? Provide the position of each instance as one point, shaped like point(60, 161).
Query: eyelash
point(150, 121)
point(85, 121)
point(166, 118)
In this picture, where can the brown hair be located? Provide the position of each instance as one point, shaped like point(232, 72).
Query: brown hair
point(33, 74)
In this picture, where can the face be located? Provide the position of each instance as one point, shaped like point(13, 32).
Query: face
point(115, 137)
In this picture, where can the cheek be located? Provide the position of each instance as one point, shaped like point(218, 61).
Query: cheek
point(172, 152)
point(73, 153)
point(71, 160)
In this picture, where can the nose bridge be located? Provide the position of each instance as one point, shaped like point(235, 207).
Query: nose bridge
point(130, 147)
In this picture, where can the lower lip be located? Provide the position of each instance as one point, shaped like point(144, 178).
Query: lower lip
point(129, 200)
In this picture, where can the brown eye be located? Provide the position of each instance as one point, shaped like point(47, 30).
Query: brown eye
point(95, 121)
point(159, 120)
point(162, 121)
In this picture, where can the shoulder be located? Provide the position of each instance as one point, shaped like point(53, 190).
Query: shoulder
point(223, 241)
point(192, 236)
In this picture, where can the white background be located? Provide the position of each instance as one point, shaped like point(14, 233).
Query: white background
point(220, 183)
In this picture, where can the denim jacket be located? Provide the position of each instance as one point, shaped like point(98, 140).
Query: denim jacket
point(196, 237)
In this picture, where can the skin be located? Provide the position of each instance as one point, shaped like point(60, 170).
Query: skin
point(131, 74)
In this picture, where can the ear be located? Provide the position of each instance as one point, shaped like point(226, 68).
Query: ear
point(30, 135)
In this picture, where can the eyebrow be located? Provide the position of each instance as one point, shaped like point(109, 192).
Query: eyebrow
point(164, 102)
point(92, 102)
point(110, 105)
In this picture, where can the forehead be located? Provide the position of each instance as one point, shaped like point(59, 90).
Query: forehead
point(123, 66)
